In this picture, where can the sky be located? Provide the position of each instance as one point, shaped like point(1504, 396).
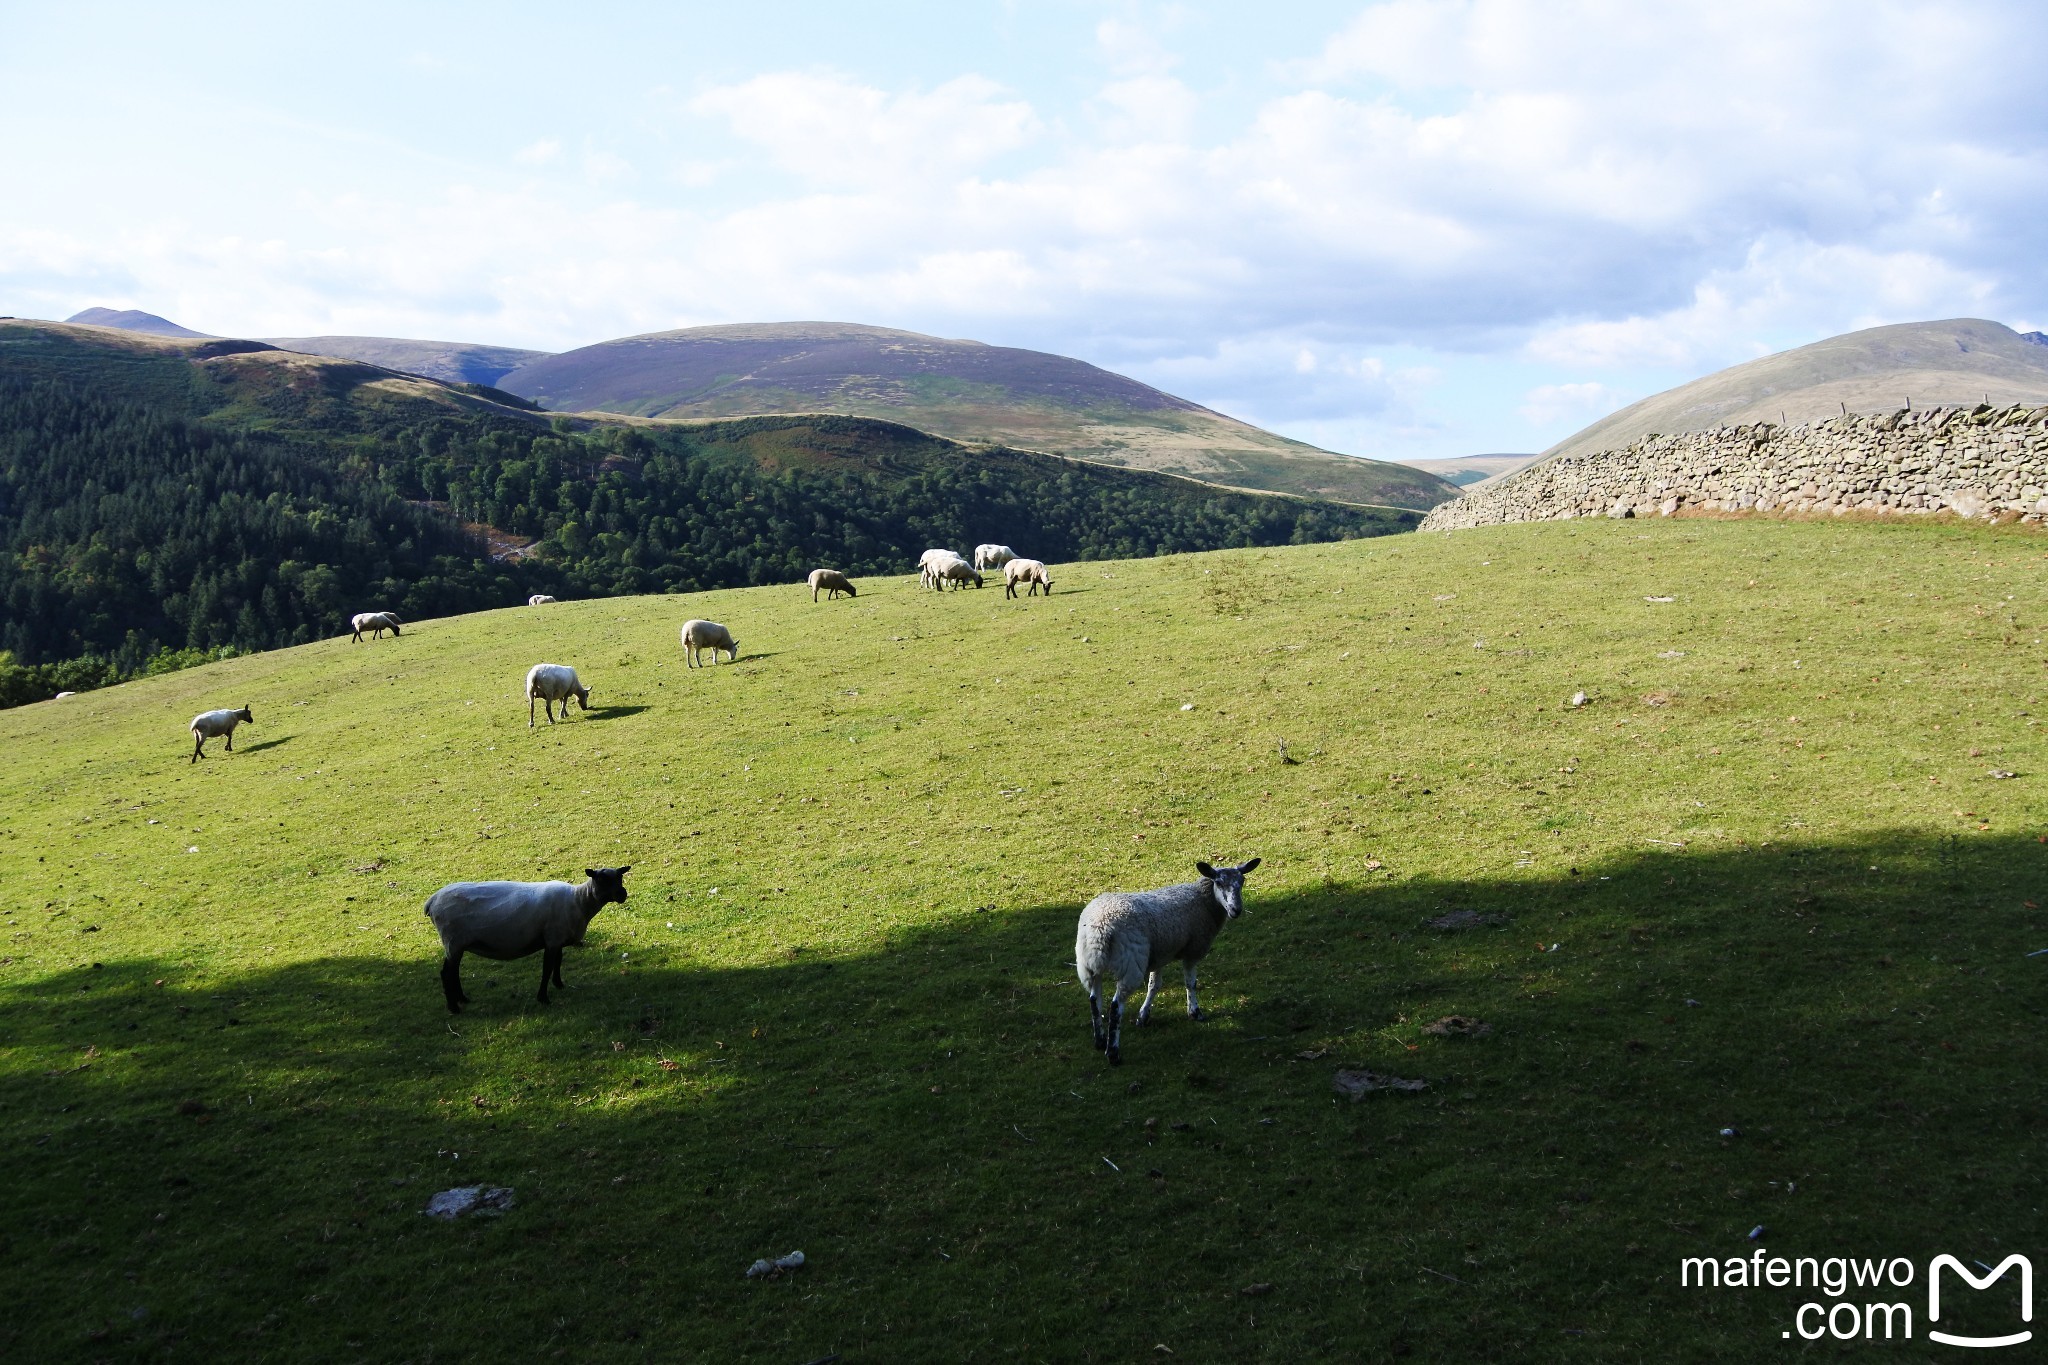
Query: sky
point(1409, 229)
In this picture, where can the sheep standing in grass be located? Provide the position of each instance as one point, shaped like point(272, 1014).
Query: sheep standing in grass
point(504, 920)
point(992, 556)
point(931, 566)
point(1026, 571)
point(215, 725)
point(959, 573)
point(539, 599)
point(551, 683)
point(832, 582)
point(1126, 936)
point(376, 622)
point(699, 636)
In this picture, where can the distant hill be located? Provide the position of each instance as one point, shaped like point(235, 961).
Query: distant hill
point(1959, 362)
point(452, 362)
point(964, 390)
point(1472, 468)
point(200, 493)
point(132, 320)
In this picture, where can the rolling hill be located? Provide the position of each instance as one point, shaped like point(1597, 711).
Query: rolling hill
point(1959, 362)
point(1472, 468)
point(451, 362)
point(132, 320)
point(963, 390)
point(1737, 944)
point(182, 493)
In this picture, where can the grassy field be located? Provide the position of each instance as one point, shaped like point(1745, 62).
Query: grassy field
point(1762, 881)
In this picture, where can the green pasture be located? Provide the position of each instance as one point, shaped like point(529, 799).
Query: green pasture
point(1762, 881)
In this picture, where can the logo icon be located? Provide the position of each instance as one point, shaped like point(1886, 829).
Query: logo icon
point(1976, 1282)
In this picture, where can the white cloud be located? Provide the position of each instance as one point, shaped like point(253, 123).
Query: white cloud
point(539, 153)
point(833, 131)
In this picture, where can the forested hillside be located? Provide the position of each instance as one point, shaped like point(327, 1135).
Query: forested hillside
point(171, 495)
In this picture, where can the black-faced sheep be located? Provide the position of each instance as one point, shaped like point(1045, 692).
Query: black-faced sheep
point(505, 920)
point(1026, 571)
point(214, 725)
point(376, 622)
point(1125, 937)
point(831, 582)
point(551, 683)
point(699, 636)
point(539, 599)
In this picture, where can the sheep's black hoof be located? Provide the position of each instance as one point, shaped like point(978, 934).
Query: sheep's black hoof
point(1116, 1057)
point(1197, 1015)
point(1144, 1019)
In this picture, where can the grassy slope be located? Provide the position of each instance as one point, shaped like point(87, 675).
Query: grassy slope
point(865, 1043)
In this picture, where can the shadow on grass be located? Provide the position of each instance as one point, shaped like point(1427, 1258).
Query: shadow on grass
point(615, 712)
point(928, 1122)
point(266, 744)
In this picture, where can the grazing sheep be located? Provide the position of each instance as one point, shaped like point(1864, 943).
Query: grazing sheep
point(699, 636)
point(62, 695)
point(992, 556)
point(1126, 936)
point(832, 581)
point(1026, 571)
point(551, 683)
point(504, 920)
point(959, 573)
point(376, 622)
point(215, 724)
point(930, 562)
point(539, 599)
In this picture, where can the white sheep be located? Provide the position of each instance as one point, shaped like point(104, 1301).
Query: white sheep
point(992, 556)
point(539, 599)
point(504, 920)
point(930, 562)
point(214, 725)
point(1026, 571)
point(1126, 936)
point(959, 573)
point(699, 636)
point(832, 582)
point(376, 622)
point(551, 683)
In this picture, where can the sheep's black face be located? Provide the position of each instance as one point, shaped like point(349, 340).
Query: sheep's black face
point(1228, 883)
point(610, 883)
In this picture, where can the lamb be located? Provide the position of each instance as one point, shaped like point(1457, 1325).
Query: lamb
point(832, 581)
point(551, 683)
point(539, 599)
point(1026, 571)
point(214, 724)
point(376, 622)
point(992, 556)
point(959, 573)
point(699, 636)
point(1126, 936)
point(504, 920)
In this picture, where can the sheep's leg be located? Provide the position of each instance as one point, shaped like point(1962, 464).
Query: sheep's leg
point(231, 741)
point(550, 966)
point(1145, 1010)
point(198, 747)
point(1194, 1009)
point(451, 982)
point(1095, 1017)
point(1116, 1026)
point(558, 970)
point(529, 711)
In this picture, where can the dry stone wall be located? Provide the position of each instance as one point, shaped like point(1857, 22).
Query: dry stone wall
point(1972, 462)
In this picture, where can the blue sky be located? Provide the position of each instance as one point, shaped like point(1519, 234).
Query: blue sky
point(1405, 229)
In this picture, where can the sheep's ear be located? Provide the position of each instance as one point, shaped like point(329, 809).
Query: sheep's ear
point(1249, 866)
point(1206, 870)
point(591, 871)
point(624, 870)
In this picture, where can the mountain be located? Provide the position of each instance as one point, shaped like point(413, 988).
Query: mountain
point(964, 390)
point(132, 320)
point(451, 362)
point(1959, 362)
point(184, 493)
point(1472, 468)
